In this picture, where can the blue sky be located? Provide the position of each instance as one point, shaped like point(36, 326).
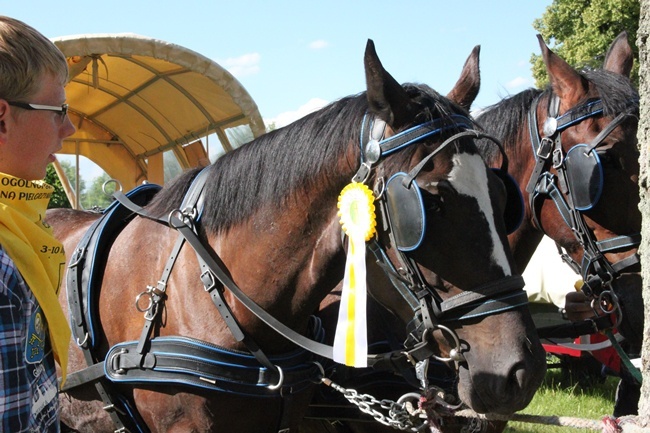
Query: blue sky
point(290, 55)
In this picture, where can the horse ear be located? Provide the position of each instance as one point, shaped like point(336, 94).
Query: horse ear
point(619, 57)
point(386, 97)
point(565, 81)
point(469, 83)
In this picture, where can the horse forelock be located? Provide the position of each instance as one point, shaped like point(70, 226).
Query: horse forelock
point(468, 176)
point(614, 90)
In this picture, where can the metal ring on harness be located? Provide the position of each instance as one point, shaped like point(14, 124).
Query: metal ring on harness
point(149, 305)
point(608, 304)
point(280, 381)
point(118, 186)
point(176, 217)
point(322, 372)
point(411, 395)
point(455, 354)
point(416, 404)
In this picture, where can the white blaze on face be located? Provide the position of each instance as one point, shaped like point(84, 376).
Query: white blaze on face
point(469, 177)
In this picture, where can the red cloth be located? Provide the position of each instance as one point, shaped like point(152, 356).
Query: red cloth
point(607, 356)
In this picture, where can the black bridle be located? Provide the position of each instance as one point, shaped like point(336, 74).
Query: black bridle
point(596, 270)
point(429, 309)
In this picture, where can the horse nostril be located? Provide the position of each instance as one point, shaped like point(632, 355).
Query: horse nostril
point(517, 378)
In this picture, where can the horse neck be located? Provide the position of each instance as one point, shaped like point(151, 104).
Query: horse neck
point(288, 258)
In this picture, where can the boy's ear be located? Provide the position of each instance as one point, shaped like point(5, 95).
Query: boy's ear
point(4, 112)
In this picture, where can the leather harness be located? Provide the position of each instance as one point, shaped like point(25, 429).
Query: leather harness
point(189, 362)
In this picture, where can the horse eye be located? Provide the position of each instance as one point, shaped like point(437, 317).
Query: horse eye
point(611, 161)
point(434, 203)
point(605, 158)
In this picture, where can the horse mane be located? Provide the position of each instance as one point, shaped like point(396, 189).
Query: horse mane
point(505, 119)
point(508, 115)
point(285, 161)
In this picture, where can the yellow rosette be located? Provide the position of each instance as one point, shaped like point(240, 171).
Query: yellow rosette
point(357, 216)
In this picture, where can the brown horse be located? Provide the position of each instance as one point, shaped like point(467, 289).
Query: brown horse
point(573, 150)
point(266, 243)
point(391, 310)
point(574, 147)
point(607, 228)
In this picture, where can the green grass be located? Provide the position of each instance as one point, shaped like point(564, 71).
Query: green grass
point(589, 397)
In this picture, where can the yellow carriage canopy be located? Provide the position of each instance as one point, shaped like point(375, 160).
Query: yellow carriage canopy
point(133, 98)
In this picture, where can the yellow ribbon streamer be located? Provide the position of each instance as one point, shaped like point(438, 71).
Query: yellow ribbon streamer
point(357, 216)
point(39, 257)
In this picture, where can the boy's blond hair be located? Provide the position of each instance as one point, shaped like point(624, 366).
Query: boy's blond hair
point(25, 55)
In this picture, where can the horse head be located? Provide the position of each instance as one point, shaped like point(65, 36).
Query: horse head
point(587, 197)
point(442, 240)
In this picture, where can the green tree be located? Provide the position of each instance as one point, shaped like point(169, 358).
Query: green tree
point(580, 31)
point(59, 199)
point(95, 197)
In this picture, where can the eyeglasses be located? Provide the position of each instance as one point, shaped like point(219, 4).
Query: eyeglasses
point(62, 110)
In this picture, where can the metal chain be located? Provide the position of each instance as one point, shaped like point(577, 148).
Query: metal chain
point(400, 415)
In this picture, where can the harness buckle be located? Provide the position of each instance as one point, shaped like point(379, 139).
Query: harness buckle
point(114, 362)
point(280, 380)
point(544, 149)
point(362, 174)
point(208, 281)
point(558, 158)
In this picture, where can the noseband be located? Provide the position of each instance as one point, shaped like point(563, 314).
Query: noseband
point(571, 195)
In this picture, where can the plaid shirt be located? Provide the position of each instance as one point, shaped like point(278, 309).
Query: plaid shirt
point(28, 383)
